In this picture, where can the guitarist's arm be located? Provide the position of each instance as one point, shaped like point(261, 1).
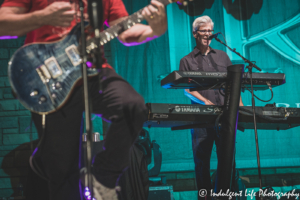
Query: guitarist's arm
point(18, 22)
point(140, 33)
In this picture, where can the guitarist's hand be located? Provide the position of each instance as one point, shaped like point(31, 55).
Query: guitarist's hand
point(155, 15)
point(58, 14)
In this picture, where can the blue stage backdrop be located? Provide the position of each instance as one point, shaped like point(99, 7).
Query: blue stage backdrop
point(266, 32)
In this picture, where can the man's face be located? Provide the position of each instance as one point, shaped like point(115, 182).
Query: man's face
point(202, 35)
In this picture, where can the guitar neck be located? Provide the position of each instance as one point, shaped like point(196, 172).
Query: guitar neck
point(113, 31)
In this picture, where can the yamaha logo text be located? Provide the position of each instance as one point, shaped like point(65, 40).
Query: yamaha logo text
point(188, 109)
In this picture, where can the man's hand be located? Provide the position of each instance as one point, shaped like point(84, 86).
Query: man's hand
point(208, 102)
point(156, 17)
point(58, 14)
point(18, 22)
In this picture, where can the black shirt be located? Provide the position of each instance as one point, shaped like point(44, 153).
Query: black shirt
point(214, 61)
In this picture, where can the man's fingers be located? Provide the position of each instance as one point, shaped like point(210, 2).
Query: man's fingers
point(144, 14)
point(69, 13)
point(63, 5)
point(66, 24)
point(67, 19)
point(153, 10)
point(147, 11)
point(158, 5)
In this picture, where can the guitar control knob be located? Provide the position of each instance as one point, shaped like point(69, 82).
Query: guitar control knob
point(34, 93)
point(42, 99)
point(58, 85)
point(53, 95)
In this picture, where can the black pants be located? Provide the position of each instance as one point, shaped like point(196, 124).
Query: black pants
point(121, 105)
point(202, 144)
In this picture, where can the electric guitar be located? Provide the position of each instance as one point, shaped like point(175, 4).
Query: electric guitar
point(43, 75)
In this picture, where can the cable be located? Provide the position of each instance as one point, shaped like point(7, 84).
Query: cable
point(221, 86)
point(31, 140)
point(258, 97)
point(35, 167)
point(224, 38)
point(207, 88)
point(37, 171)
point(197, 83)
point(217, 125)
point(31, 157)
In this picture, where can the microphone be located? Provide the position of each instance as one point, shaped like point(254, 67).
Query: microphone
point(95, 12)
point(213, 36)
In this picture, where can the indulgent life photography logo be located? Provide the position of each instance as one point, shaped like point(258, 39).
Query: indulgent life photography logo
point(250, 193)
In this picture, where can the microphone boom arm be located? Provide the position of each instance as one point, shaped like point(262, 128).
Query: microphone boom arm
point(251, 64)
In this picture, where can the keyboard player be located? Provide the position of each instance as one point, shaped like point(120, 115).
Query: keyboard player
point(204, 58)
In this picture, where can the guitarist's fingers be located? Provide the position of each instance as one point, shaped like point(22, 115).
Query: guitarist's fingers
point(69, 20)
point(156, 17)
point(65, 24)
point(66, 19)
point(69, 13)
point(61, 6)
point(159, 6)
point(146, 13)
point(153, 10)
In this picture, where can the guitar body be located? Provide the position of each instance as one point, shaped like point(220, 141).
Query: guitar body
point(43, 74)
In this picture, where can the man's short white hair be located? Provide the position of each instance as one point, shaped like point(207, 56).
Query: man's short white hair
point(201, 21)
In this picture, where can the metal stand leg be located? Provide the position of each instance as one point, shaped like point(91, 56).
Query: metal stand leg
point(228, 131)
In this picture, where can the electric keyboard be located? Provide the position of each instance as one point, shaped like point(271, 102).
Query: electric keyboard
point(187, 116)
point(215, 80)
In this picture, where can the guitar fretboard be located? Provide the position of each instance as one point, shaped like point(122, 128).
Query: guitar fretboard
point(114, 31)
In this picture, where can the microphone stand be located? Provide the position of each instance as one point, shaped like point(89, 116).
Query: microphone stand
point(250, 67)
point(87, 106)
point(95, 10)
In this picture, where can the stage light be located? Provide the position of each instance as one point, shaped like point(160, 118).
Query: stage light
point(8, 37)
point(87, 194)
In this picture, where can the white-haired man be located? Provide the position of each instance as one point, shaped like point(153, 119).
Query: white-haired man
point(51, 20)
point(204, 58)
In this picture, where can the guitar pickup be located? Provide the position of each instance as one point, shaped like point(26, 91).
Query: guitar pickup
point(73, 55)
point(53, 67)
point(43, 73)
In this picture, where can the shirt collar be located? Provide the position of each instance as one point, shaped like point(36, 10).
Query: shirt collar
point(197, 52)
